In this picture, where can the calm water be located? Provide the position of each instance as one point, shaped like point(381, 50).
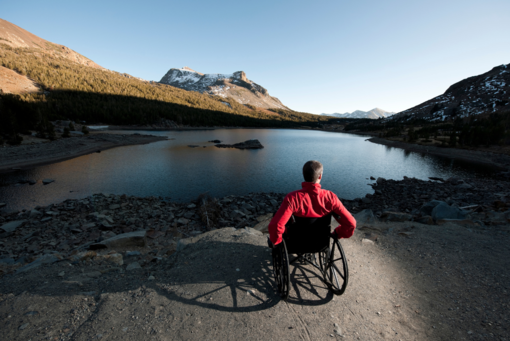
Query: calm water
point(173, 170)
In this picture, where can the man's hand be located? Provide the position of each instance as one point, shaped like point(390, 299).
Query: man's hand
point(334, 235)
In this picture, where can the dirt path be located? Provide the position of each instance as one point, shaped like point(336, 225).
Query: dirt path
point(431, 283)
point(25, 156)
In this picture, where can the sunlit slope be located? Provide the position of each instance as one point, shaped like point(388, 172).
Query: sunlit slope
point(75, 91)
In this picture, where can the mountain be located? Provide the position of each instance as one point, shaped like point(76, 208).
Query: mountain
point(236, 86)
point(478, 95)
point(17, 37)
point(373, 114)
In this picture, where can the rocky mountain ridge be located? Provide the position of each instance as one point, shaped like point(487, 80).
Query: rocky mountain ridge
point(235, 85)
point(375, 113)
point(477, 95)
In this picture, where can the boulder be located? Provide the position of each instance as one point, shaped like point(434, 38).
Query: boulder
point(46, 259)
point(137, 238)
point(380, 180)
point(365, 217)
point(396, 216)
point(428, 207)
point(133, 266)
point(263, 224)
point(444, 211)
point(35, 214)
point(464, 186)
point(11, 226)
point(182, 221)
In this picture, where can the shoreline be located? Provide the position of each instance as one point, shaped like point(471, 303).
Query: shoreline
point(29, 156)
point(499, 162)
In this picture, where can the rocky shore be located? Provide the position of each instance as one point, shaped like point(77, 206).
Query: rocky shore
point(77, 225)
point(498, 161)
point(30, 155)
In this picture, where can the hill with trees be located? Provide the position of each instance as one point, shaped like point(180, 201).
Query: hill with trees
point(73, 90)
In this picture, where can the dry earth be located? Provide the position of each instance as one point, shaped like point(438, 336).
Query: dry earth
point(415, 282)
point(63, 149)
point(12, 82)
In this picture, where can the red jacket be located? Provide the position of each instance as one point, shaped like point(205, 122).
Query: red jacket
point(313, 202)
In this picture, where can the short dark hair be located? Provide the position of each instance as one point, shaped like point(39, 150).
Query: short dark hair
point(312, 170)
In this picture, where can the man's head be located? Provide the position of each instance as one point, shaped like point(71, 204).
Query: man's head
point(312, 171)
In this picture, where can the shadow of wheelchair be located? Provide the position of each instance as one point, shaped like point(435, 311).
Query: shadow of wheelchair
point(235, 277)
point(307, 281)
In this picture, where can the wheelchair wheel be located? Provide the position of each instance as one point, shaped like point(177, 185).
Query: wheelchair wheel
point(281, 269)
point(334, 267)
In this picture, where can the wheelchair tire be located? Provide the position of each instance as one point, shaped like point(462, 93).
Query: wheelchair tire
point(334, 267)
point(281, 269)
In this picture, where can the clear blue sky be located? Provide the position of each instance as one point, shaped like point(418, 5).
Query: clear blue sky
point(317, 57)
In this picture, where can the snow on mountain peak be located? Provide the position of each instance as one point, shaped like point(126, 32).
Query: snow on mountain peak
point(373, 114)
point(234, 85)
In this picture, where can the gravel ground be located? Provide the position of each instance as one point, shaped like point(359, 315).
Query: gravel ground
point(414, 282)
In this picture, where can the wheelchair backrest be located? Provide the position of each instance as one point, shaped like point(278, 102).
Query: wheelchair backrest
point(307, 235)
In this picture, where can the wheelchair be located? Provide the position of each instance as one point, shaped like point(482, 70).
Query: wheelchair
point(313, 243)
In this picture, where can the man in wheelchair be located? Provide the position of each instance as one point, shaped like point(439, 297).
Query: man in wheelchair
point(302, 226)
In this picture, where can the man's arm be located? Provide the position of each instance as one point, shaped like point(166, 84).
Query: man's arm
point(345, 218)
point(277, 224)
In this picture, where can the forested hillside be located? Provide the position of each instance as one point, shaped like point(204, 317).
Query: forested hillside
point(82, 93)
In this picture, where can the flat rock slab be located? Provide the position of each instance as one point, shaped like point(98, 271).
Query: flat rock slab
point(137, 238)
point(12, 226)
point(250, 144)
point(46, 259)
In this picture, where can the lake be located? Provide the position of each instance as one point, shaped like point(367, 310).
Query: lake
point(173, 170)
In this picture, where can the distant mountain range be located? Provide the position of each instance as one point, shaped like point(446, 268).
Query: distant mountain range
point(236, 86)
point(375, 113)
point(478, 95)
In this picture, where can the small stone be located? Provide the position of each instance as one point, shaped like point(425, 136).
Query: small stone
point(43, 220)
point(23, 326)
point(191, 206)
point(31, 313)
point(133, 266)
point(114, 206)
point(367, 241)
point(183, 221)
point(151, 278)
point(93, 274)
point(2, 204)
point(47, 181)
point(61, 274)
point(238, 269)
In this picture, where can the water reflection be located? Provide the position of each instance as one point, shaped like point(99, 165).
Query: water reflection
point(172, 169)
